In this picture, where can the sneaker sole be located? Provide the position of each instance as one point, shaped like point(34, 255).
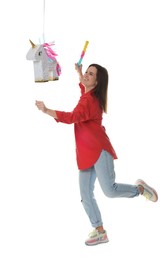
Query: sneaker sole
point(96, 243)
point(145, 185)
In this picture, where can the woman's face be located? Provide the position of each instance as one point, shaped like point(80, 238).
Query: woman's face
point(89, 78)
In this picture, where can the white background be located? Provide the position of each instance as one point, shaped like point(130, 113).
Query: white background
point(41, 216)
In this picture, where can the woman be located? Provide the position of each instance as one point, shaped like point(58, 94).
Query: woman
point(94, 152)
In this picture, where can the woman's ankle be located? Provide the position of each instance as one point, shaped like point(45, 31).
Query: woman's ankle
point(141, 189)
point(100, 229)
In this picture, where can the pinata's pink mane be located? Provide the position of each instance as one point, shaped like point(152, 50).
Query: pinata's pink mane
point(52, 55)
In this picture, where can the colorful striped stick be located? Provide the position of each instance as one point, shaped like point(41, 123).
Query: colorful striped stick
point(83, 53)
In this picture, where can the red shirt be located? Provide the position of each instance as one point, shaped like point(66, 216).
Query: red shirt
point(90, 135)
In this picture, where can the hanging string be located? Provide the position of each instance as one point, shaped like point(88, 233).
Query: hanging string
point(43, 21)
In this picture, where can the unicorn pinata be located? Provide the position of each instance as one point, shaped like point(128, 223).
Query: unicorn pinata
point(46, 67)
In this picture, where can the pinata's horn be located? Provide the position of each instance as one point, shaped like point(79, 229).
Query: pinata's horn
point(33, 45)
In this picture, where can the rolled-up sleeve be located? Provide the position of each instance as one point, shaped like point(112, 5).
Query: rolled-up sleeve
point(80, 113)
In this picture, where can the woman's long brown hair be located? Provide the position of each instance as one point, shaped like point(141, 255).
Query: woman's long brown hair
point(101, 89)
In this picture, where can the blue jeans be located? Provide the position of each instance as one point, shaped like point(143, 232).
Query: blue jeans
point(103, 169)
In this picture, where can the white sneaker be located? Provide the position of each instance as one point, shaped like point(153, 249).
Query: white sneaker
point(95, 238)
point(149, 192)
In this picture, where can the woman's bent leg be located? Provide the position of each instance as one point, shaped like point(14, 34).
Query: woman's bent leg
point(104, 168)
